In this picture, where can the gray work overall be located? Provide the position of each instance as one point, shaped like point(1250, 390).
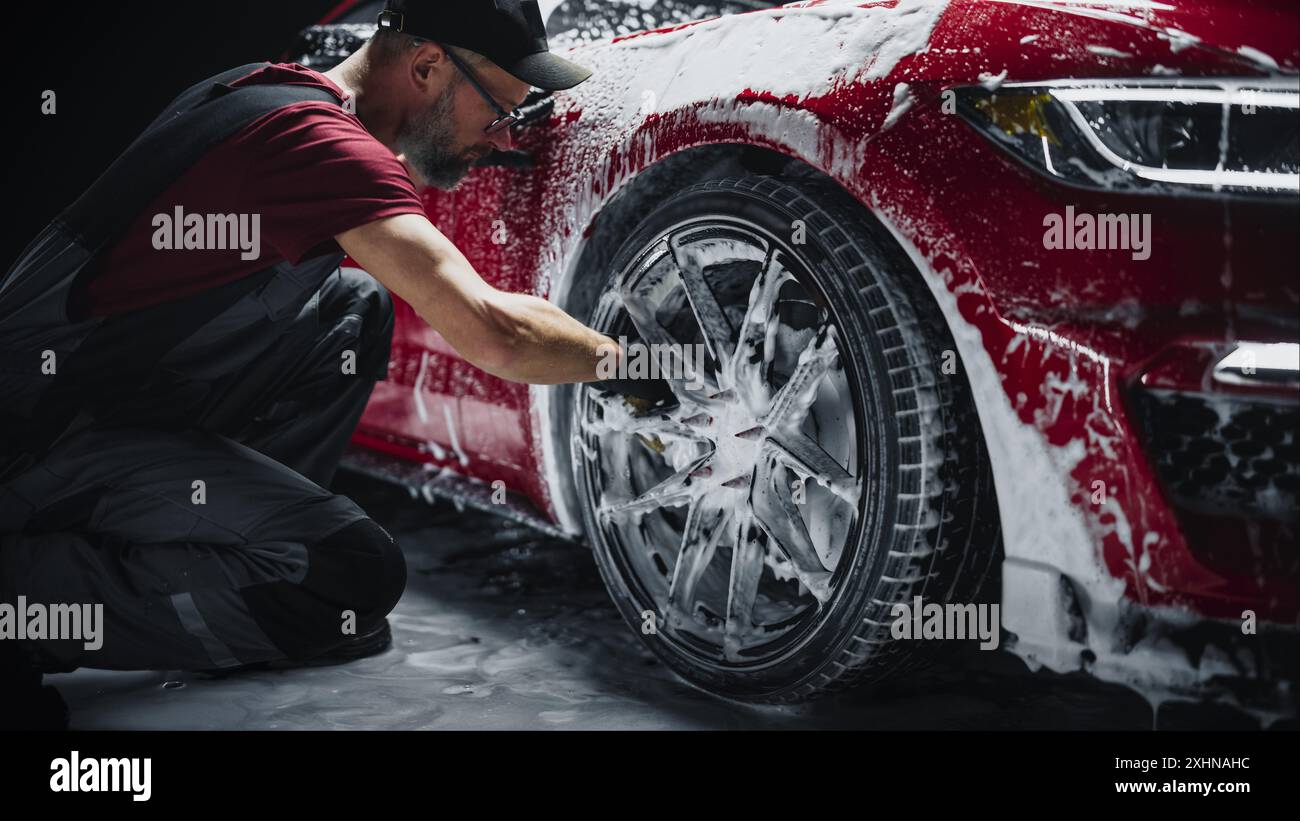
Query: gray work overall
point(169, 463)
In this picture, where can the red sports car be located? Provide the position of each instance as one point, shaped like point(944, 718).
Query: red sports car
point(998, 305)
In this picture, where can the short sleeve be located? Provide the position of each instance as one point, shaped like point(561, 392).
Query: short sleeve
point(315, 172)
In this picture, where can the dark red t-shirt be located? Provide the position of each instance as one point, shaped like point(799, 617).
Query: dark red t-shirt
point(310, 171)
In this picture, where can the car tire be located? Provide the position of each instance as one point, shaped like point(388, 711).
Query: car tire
point(924, 519)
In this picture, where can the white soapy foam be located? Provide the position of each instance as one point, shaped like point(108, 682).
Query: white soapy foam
point(991, 81)
point(770, 51)
point(1178, 40)
point(903, 101)
point(461, 456)
point(437, 450)
point(417, 390)
point(1099, 11)
point(1106, 51)
point(1258, 56)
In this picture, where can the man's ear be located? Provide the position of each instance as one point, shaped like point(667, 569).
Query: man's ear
point(429, 62)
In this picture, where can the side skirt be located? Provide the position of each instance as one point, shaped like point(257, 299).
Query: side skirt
point(429, 484)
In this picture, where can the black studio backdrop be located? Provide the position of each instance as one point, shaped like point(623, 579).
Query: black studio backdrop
point(113, 66)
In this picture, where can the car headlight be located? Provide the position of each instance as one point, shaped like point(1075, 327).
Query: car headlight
point(1140, 135)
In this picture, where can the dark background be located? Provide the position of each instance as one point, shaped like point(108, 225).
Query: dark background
point(113, 65)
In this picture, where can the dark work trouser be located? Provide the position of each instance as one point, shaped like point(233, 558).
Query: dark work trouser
point(216, 545)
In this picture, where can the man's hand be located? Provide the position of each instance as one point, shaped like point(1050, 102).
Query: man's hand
point(514, 336)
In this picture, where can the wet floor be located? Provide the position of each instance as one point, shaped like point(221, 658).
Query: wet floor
point(502, 629)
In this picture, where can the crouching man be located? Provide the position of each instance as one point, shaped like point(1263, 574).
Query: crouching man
point(176, 397)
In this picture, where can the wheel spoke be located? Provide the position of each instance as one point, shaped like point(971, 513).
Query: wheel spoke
point(641, 310)
point(791, 403)
point(742, 587)
point(705, 525)
point(756, 346)
point(646, 285)
point(671, 492)
point(779, 516)
point(708, 313)
point(804, 456)
point(644, 290)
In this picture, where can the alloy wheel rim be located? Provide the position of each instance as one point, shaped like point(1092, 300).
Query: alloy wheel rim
point(731, 510)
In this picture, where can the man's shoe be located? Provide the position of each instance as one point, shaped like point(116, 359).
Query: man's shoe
point(371, 643)
point(360, 646)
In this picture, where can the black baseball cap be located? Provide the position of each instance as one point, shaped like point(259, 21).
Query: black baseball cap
point(510, 33)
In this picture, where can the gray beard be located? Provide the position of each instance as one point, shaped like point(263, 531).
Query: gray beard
point(426, 142)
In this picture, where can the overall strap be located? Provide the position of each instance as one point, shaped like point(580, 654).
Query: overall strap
point(193, 124)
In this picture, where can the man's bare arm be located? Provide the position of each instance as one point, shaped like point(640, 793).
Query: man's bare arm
point(517, 337)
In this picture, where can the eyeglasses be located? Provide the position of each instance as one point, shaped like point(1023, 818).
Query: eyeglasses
point(504, 119)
